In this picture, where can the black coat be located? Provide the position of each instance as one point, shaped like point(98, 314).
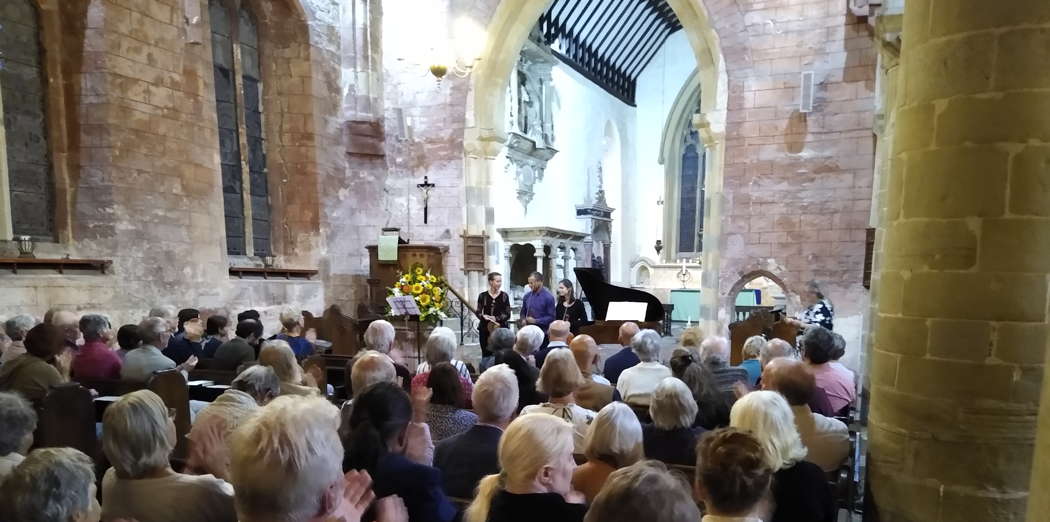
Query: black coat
point(534, 507)
point(467, 458)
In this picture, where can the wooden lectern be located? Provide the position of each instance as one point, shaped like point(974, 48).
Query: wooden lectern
point(383, 274)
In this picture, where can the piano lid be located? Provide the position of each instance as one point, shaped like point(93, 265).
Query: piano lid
point(600, 294)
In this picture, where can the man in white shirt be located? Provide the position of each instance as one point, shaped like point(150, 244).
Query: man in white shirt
point(140, 363)
point(826, 439)
point(636, 384)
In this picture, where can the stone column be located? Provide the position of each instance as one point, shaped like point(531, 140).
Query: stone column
point(711, 256)
point(961, 327)
point(540, 260)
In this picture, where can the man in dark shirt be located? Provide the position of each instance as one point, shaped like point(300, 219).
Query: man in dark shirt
point(537, 306)
point(240, 349)
point(468, 457)
point(625, 358)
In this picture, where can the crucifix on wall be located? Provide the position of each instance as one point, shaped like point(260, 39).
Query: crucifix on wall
point(426, 186)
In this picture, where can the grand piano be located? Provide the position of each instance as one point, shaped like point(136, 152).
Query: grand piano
point(599, 294)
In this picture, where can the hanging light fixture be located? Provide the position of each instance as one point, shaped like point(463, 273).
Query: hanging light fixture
point(462, 53)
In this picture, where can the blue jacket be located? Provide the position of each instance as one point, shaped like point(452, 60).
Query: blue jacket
point(419, 486)
point(618, 362)
point(466, 458)
point(540, 306)
point(180, 348)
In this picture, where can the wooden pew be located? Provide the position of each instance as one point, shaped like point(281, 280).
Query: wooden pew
point(66, 418)
point(171, 387)
point(760, 322)
point(344, 332)
point(317, 364)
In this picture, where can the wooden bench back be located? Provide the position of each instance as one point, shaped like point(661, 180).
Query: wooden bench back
point(66, 418)
point(344, 332)
point(171, 387)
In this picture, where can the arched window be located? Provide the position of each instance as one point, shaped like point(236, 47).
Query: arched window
point(683, 156)
point(27, 200)
point(691, 195)
point(242, 147)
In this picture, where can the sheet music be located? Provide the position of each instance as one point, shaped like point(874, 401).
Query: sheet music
point(626, 311)
point(403, 305)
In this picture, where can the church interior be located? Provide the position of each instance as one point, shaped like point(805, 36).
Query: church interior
point(706, 171)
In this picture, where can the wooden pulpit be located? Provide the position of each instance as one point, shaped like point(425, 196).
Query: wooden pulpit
point(383, 274)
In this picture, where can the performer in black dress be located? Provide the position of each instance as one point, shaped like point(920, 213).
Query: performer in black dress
point(493, 307)
point(569, 308)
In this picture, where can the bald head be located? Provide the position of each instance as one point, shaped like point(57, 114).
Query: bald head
point(773, 349)
point(791, 379)
point(558, 331)
point(68, 322)
point(371, 367)
point(627, 332)
point(585, 351)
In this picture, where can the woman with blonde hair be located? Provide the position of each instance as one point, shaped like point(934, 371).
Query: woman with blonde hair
point(138, 435)
point(535, 455)
point(277, 354)
point(560, 377)
point(691, 339)
point(614, 441)
point(800, 488)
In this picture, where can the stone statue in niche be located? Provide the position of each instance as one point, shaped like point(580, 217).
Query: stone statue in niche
point(529, 142)
point(530, 106)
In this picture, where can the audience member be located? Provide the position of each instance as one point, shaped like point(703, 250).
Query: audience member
point(18, 418)
point(732, 476)
point(500, 339)
point(818, 345)
point(140, 363)
point(45, 364)
point(537, 305)
point(800, 488)
point(370, 368)
point(558, 336)
point(208, 449)
point(249, 314)
point(671, 438)
point(637, 383)
point(826, 439)
point(714, 353)
point(128, 339)
point(95, 360)
point(535, 484)
point(559, 379)
point(16, 329)
point(614, 441)
point(646, 490)
point(838, 353)
point(466, 458)
point(279, 356)
point(380, 336)
point(138, 435)
point(379, 424)
point(593, 394)
point(712, 404)
point(690, 339)
point(446, 343)
point(294, 438)
point(527, 341)
point(446, 416)
point(231, 354)
point(776, 348)
point(292, 333)
point(625, 358)
point(750, 352)
point(68, 324)
point(169, 313)
point(216, 332)
point(187, 341)
point(51, 485)
point(440, 347)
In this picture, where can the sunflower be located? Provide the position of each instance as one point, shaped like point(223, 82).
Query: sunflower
point(437, 292)
point(419, 270)
point(417, 289)
point(433, 279)
point(424, 299)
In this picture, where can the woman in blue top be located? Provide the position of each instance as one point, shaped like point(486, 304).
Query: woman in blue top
point(376, 443)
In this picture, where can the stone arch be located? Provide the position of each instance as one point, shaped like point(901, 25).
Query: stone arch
point(485, 131)
point(738, 286)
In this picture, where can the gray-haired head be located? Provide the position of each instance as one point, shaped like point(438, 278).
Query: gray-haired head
point(94, 326)
point(440, 347)
point(714, 350)
point(137, 434)
point(261, 382)
point(154, 331)
point(51, 484)
point(672, 405)
point(167, 312)
point(528, 339)
point(646, 345)
point(773, 349)
point(495, 395)
point(18, 326)
point(501, 339)
point(18, 418)
point(379, 336)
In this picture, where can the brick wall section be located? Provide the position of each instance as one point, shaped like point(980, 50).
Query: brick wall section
point(798, 187)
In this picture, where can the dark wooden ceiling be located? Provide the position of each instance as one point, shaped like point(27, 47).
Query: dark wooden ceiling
point(609, 41)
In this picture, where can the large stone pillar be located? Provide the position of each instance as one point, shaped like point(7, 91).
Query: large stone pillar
point(960, 332)
point(711, 256)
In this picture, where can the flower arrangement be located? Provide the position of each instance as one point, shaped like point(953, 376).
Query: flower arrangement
point(426, 288)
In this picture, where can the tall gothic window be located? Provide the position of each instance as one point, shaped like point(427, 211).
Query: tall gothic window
point(691, 194)
point(27, 198)
point(242, 147)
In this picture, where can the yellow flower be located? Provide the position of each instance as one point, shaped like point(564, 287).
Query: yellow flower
point(419, 270)
point(424, 299)
point(433, 279)
point(417, 289)
point(437, 292)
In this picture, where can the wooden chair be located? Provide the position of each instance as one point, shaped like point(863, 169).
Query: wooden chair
point(66, 418)
point(170, 386)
